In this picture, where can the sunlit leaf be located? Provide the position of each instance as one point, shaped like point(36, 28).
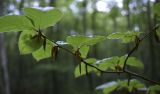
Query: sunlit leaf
point(28, 43)
point(11, 23)
point(108, 87)
point(84, 51)
point(125, 37)
point(79, 40)
point(41, 53)
point(43, 17)
point(132, 61)
point(108, 63)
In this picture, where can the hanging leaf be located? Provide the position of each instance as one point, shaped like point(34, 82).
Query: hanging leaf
point(28, 43)
point(79, 40)
point(43, 17)
point(125, 37)
point(41, 53)
point(11, 23)
point(84, 51)
point(77, 72)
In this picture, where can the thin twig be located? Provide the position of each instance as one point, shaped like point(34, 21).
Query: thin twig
point(142, 77)
point(125, 62)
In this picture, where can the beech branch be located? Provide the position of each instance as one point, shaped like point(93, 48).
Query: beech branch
point(125, 62)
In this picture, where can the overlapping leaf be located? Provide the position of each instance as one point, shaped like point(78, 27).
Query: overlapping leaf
point(117, 63)
point(109, 87)
point(134, 84)
point(41, 53)
point(11, 23)
point(125, 37)
point(43, 17)
point(28, 43)
point(108, 63)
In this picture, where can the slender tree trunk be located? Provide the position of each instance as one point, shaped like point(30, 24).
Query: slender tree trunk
point(4, 65)
point(3, 57)
point(151, 44)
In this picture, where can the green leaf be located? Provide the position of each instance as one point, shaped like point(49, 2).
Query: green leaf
point(79, 40)
point(134, 84)
point(41, 53)
point(110, 89)
point(108, 63)
point(125, 37)
point(12, 23)
point(83, 68)
point(154, 89)
point(132, 61)
point(84, 51)
point(43, 17)
point(28, 43)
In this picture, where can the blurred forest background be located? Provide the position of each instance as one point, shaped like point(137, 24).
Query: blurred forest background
point(24, 75)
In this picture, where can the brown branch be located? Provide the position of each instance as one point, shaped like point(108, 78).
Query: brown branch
point(125, 62)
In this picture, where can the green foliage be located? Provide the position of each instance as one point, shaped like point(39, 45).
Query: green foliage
point(42, 53)
point(108, 63)
point(132, 61)
point(84, 51)
point(29, 42)
point(109, 87)
point(79, 41)
point(33, 41)
point(154, 89)
point(78, 72)
point(42, 18)
point(125, 37)
point(114, 12)
point(12, 23)
point(156, 9)
point(132, 85)
point(116, 63)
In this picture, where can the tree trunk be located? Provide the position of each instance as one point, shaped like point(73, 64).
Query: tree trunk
point(151, 44)
point(4, 65)
point(3, 58)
